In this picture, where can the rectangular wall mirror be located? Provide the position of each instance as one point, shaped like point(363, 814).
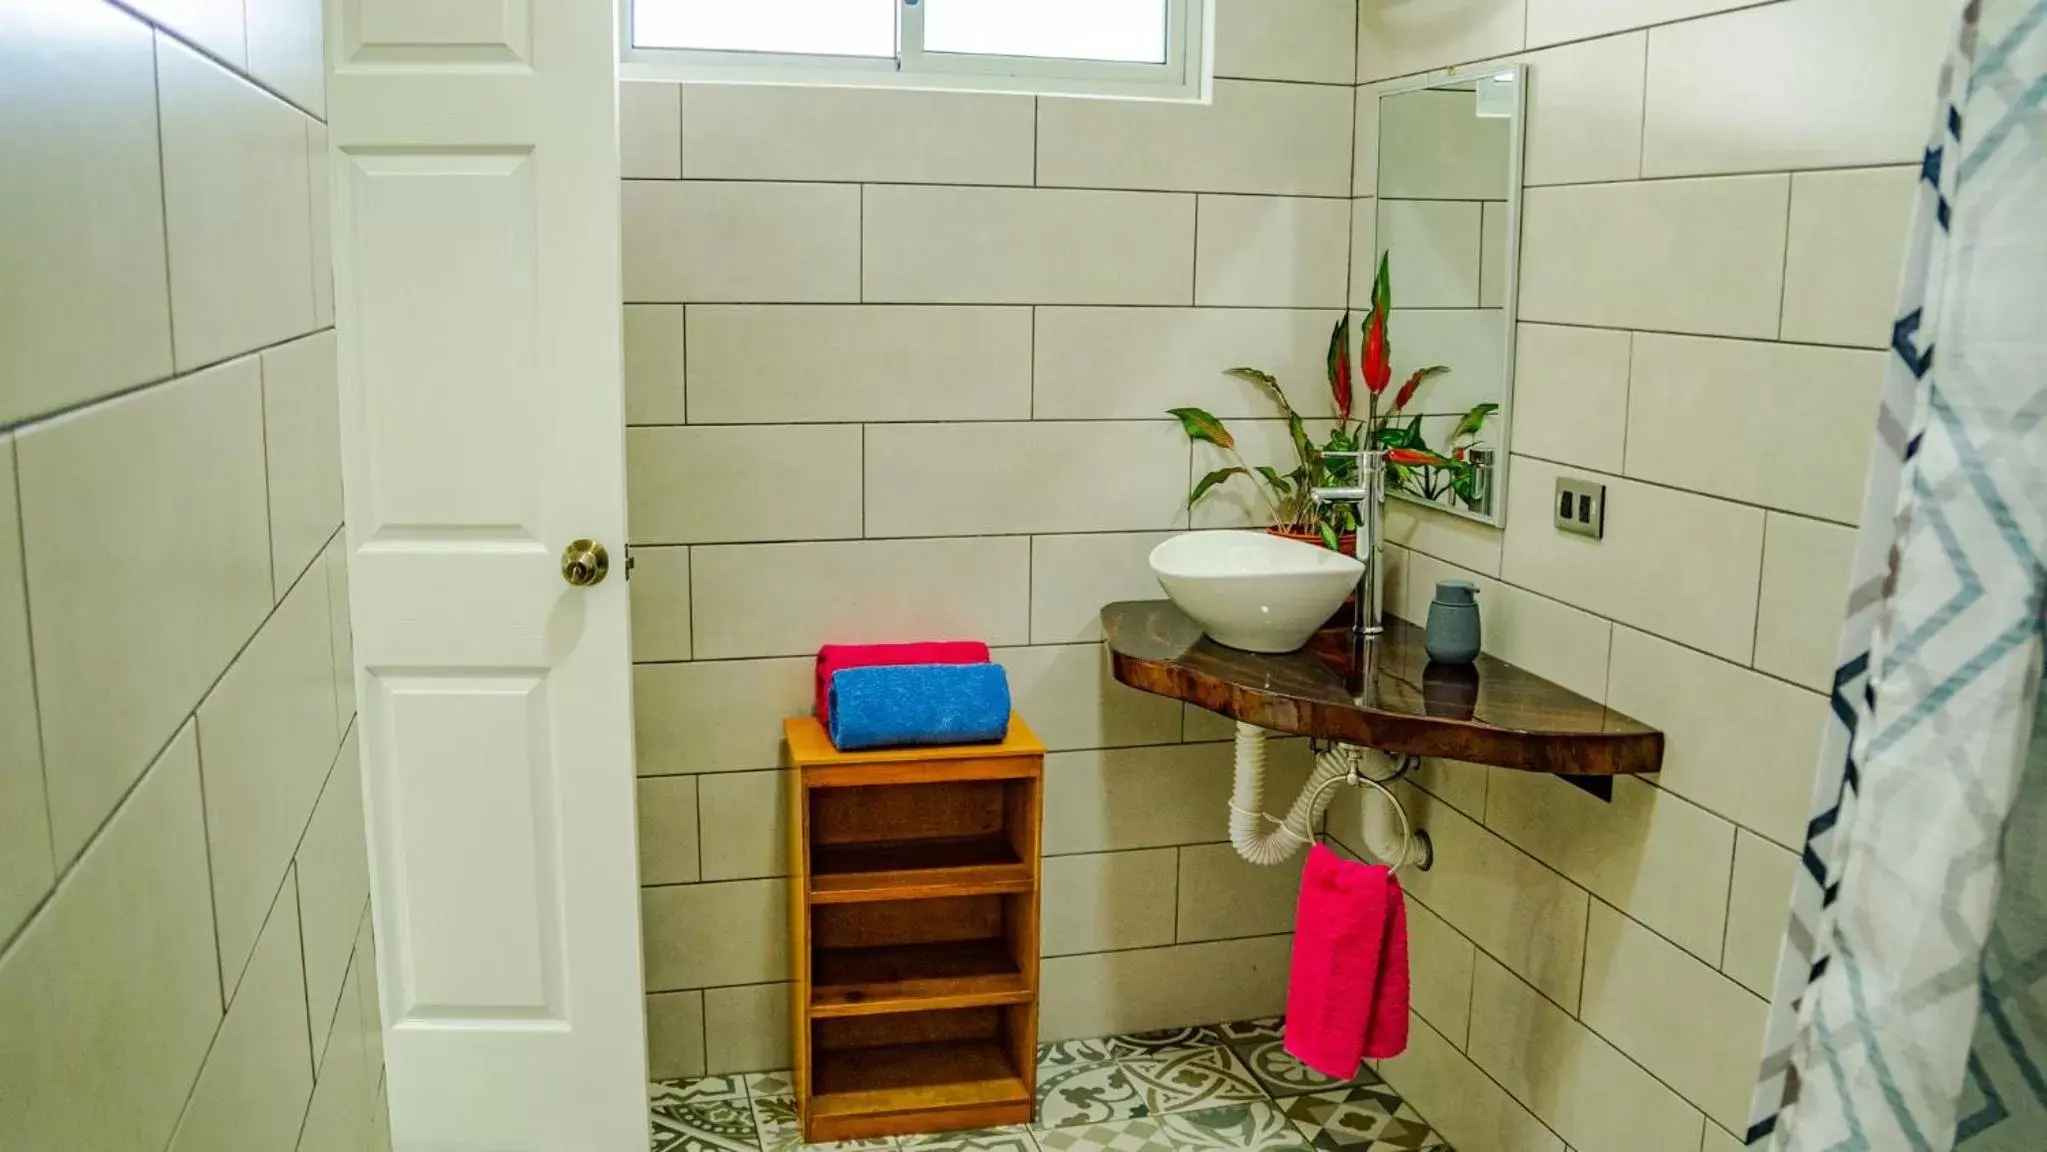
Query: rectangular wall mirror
point(1447, 228)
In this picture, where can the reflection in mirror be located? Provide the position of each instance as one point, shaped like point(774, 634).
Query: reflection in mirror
point(1446, 226)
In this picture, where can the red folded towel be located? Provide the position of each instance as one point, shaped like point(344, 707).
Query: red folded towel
point(833, 657)
point(1348, 994)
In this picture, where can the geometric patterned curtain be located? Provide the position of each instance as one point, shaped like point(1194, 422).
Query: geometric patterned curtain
point(1910, 1007)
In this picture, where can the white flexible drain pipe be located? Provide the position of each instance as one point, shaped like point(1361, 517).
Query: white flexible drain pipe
point(1248, 832)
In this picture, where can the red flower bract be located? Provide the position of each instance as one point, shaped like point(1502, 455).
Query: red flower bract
point(1339, 367)
point(1378, 367)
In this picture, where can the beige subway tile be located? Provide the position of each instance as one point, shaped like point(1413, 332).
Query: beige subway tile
point(1072, 700)
point(1365, 143)
point(1397, 37)
point(1256, 138)
point(746, 1029)
point(1074, 577)
point(1108, 992)
point(1465, 543)
point(284, 42)
point(258, 1078)
point(705, 935)
point(1459, 784)
point(237, 206)
point(873, 135)
point(745, 818)
point(1571, 395)
point(302, 439)
point(730, 484)
point(332, 878)
point(1554, 21)
point(1653, 855)
point(124, 650)
point(1460, 1101)
point(1492, 255)
point(1696, 1030)
point(724, 716)
point(1432, 247)
point(1050, 476)
point(1849, 232)
point(1118, 799)
point(1703, 256)
point(127, 942)
point(1199, 725)
point(1440, 962)
point(1737, 93)
point(1718, 1139)
point(1027, 246)
point(215, 25)
point(1222, 896)
point(654, 364)
point(322, 221)
point(1758, 911)
point(1109, 902)
point(1806, 569)
point(84, 198)
point(267, 737)
point(1585, 111)
point(1432, 147)
point(675, 1035)
point(1306, 40)
point(26, 869)
point(1364, 250)
point(799, 364)
point(668, 830)
point(1544, 636)
point(1680, 564)
point(786, 599)
point(338, 1119)
point(755, 243)
point(660, 595)
point(1500, 898)
point(1574, 1082)
point(1692, 424)
point(343, 632)
point(1272, 251)
point(1135, 363)
point(650, 130)
point(1757, 773)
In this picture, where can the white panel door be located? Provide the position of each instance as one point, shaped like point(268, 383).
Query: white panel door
point(474, 174)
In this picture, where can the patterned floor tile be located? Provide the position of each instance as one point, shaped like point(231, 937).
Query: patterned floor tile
point(1089, 1094)
point(1360, 1119)
point(1164, 1040)
point(1251, 1127)
point(1073, 1054)
point(1141, 1134)
point(781, 1130)
point(1252, 1031)
point(1013, 1139)
point(781, 1083)
point(1191, 1079)
point(675, 1093)
point(1282, 1075)
point(705, 1126)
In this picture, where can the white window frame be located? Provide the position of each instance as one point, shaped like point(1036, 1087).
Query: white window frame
point(1185, 76)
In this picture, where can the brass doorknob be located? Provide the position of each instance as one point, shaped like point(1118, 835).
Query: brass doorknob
point(584, 563)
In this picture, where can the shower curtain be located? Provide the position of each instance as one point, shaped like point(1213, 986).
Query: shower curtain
point(1910, 1005)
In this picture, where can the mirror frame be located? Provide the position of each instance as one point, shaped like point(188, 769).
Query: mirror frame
point(1510, 307)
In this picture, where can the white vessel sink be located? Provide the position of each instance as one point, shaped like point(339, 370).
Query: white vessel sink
point(1254, 591)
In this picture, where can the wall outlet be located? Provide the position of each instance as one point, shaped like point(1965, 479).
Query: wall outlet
point(1581, 507)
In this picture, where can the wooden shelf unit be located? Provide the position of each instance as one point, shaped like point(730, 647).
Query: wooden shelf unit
point(913, 923)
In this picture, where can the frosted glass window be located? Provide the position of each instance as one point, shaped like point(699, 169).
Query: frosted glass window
point(1126, 30)
point(796, 27)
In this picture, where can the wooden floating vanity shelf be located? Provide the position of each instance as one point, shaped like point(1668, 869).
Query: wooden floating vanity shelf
point(914, 934)
point(1386, 696)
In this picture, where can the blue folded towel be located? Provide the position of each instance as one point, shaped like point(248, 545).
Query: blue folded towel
point(890, 705)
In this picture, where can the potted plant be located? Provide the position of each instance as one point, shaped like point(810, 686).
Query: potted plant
point(1411, 465)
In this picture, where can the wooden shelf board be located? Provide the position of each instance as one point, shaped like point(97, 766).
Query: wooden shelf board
point(914, 977)
point(809, 746)
point(914, 1077)
point(916, 870)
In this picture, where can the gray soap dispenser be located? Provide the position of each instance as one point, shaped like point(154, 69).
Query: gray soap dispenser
point(1453, 634)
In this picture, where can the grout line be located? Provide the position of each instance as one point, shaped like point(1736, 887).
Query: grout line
point(963, 186)
point(1037, 107)
point(269, 508)
point(1658, 484)
point(212, 884)
point(1755, 638)
point(859, 256)
point(30, 424)
point(163, 203)
point(238, 71)
point(1784, 266)
point(35, 690)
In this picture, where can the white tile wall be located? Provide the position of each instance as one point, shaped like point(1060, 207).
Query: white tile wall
point(709, 935)
point(1257, 138)
point(1026, 246)
point(1843, 272)
point(650, 131)
point(1554, 21)
point(1759, 910)
point(668, 830)
point(1073, 702)
point(739, 132)
point(655, 356)
point(1109, 901)
point(1804, 599)
point(186, 890)
point(1433, 245)
point(745, 820)
point(750, 243)
point(85, 208)
point(730, 484)
point(1397, 37)
point(660, 595)
point(1135, 363)
point(1072, 577)
point(1307, 40)
point(1154, 987)
point(1585, 111)
point(1571, 395)
point(1272, 252)
point(1041, 476)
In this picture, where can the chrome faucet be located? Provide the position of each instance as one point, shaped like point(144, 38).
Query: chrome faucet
point(1369, 494)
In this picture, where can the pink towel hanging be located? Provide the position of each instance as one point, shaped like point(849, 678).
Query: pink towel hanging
point(1347, 998)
